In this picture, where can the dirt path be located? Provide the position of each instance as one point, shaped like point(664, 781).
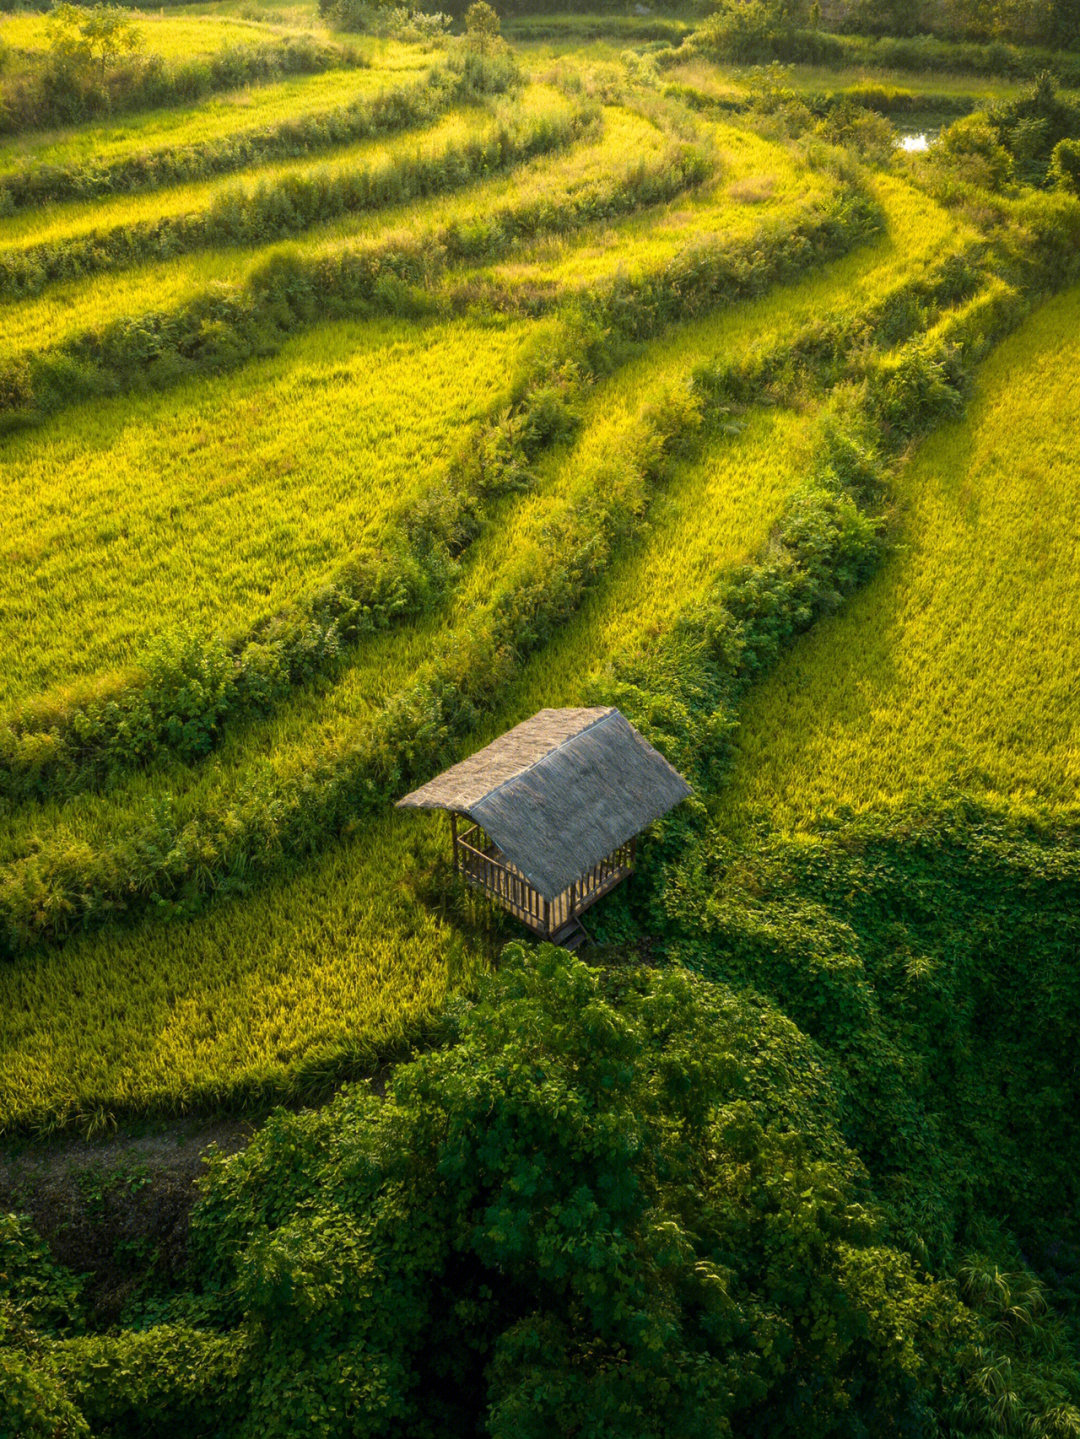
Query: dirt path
point(116, 1209)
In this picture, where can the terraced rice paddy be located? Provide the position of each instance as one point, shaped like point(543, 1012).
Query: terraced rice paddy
point(218, 499)
point(956, 668)
point(259, 484)
point(178, 36)
point(219, 117)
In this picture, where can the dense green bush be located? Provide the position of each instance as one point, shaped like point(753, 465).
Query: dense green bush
point(1065, 166)
point(39, 1300)
point(1031, 127)
point(633, 1202)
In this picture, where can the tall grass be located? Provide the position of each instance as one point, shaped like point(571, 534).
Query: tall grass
point(284, 201)
point(157, 150)
point(956, 669)
point(228, 501)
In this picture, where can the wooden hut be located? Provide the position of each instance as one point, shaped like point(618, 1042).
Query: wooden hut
point(556, 805)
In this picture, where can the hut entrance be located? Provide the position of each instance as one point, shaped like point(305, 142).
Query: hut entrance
point(551, 813)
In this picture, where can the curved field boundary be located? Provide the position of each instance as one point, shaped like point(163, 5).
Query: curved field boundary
point(964, 677)
point(82, 745)
point(395, 108)
point(288, 292)
point(278, 210)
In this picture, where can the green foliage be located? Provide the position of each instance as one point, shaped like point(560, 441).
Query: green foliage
point(1031, 127)
point(38, 1299)
point(171, 1378)
point(482, 30)
point(1065, 166)
point(614, 1205)
point(81, 40)
point(280, 209)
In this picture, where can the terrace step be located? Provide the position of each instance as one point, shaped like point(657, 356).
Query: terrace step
point(571, 936)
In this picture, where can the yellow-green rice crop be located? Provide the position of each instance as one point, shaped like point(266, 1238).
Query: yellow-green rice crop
point(322, 968)
point(78, 306)
point(174, 37)
point(730, 84)
point(669, 565)
point(223, 500)
point(82, 217)
point(957, 666)
point(756, 176)
point(318, 967)
point(233, 113)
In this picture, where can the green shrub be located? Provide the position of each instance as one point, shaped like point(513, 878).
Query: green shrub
point(972, 152)
point(618, 1199)
point(1065, 166)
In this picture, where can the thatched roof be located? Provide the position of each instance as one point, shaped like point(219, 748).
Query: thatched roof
point(559, 792)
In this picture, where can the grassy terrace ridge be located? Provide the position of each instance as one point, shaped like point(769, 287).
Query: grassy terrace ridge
point(278, 202)
point(539, 185)
point(66, 311)
point(287, 117)
point(964, 678)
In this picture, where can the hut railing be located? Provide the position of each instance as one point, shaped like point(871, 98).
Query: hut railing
point(482, 865)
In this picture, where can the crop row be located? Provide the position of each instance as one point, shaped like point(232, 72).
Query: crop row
point(278, 210)
point(394, 108)
point(288, 292)
point(31, 102)
point(83, 744)
point(353, 888)
point(308, 976)
point(964, 676)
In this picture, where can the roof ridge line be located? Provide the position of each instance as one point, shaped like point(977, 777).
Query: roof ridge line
point(608, 710)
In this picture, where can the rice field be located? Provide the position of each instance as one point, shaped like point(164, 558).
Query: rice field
point(732, 84)
point(81, 218)
point(226, 497)
point(180, 37)
point(317, 966)
point(229, 115)
point(76, 307)
point(260, 483)
point(956, 669)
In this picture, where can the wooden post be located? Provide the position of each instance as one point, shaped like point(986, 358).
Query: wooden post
point(453, 841)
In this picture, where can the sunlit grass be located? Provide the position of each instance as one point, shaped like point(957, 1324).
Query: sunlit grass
point(77, 219)
point(219, 116)
point(75, 307)
point(328, 966)
point(729, 206)
point(957, 666)
point(174, 37)
point(223, 500)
